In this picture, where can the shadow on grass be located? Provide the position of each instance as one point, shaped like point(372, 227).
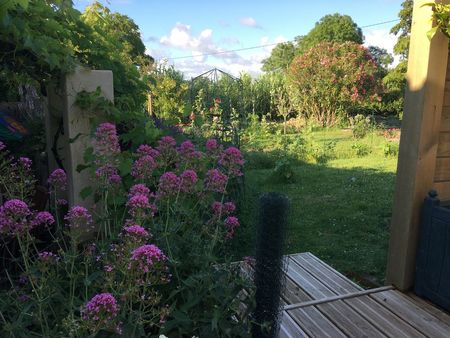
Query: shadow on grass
point(340, 215)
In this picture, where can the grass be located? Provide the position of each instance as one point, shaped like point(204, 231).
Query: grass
point(340, 211)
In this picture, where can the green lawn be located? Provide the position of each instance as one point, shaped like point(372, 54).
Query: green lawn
point(340, 210)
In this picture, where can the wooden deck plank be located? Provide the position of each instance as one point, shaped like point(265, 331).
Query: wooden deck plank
point(331, 269)
point(410, 312)
point(333, 281)
point(311, 285)
point(382, 318)
point(314, 323)
point(289, 328)
point(293, 293)
point(348, 320)
point(429, 307)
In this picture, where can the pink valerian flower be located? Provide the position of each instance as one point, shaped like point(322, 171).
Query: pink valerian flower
point(168, 184)
point(143, 168)
point(47, 257)
point(14, 216)
point(139, 189)
point(135, 232)
point(186, 148)
point(145, 149)
point(166, 147)
point(145, 257)
point(109, 174)
point(78, 217)
point(43, 218)
point(108, 268)
point(2, 146)
point(25, 163)
point(24, 298)
point(215, 181)
point(250, 260)
point(212, 145)
point(100, 311)
point(106, 143)
point(232, 161)
point(58, 179)
point(224, 209)
point(188, 179)
point(140, 206)
point(231, 223)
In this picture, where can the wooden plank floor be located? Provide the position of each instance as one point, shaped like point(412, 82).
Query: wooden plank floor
point(321, 302)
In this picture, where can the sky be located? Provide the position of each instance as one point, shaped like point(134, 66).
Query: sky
point(180, 33)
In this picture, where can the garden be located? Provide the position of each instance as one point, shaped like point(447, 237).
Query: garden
point(176, 169)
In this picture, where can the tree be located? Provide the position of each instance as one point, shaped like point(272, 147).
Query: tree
point(280, 57)
point(331, 80)
point(381, 56)
point(332, 28)
point(403, 29)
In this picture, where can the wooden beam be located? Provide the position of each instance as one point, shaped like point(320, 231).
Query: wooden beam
point(427, 68)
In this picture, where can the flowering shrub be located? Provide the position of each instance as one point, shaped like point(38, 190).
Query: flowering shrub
point(320, 90)
point(150, 257)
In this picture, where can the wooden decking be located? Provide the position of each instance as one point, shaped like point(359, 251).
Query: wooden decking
point(320, 302)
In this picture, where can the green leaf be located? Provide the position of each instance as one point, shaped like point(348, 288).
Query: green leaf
point(82, 167)
point(125, 166)
point(88, 155)
point(85, 192)
point(432, 32)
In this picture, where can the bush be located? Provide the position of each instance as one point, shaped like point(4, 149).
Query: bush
point(361, 126)
point(332, 79)
point(151, 258)
point(390, 149)
point(360, 149)
point(283, 172)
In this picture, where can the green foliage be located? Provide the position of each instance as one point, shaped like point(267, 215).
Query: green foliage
point(331, 80)
point(441, 17)
point(168, 90)
point(361, 149)
point(283, 172)
point(332, 28)
point(403, 29)
point(280, 58)
point(361, 125)
point(390, 149)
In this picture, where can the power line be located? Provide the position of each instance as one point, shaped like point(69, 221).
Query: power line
point(261, 46)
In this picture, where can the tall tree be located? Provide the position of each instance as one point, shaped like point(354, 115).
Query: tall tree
point(403, 29)
point(280, 57)
point(331, 28)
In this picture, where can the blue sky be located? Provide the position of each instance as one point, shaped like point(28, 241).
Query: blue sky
point(172, 29)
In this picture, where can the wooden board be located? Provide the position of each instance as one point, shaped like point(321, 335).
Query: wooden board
point(444, 145)
point(370, 313)
point(445, 119)
point(442, 171)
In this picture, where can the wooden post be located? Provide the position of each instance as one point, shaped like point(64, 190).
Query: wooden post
point(75, 126)
point(427, 64)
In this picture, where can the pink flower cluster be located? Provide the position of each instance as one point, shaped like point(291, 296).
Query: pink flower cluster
point(215, 181)
point(223, 209)
point(25, 163)
point(136, 231)
point(2, 146)
point(109, 174)
point(188, 179)
point(145, 257)
point(232, 161)
point(168, 184)
point(231, 223)
point(100, 310)
point(58, 179)
point(145, 149)
point(166, 147)
point(143, 167)
point(43, 218)
point(14, 217)
point(139, 189)
point(78, 217)
point(106, 140)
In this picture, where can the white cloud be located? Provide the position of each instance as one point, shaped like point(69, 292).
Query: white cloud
point(249, 22)
point(383, 39)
